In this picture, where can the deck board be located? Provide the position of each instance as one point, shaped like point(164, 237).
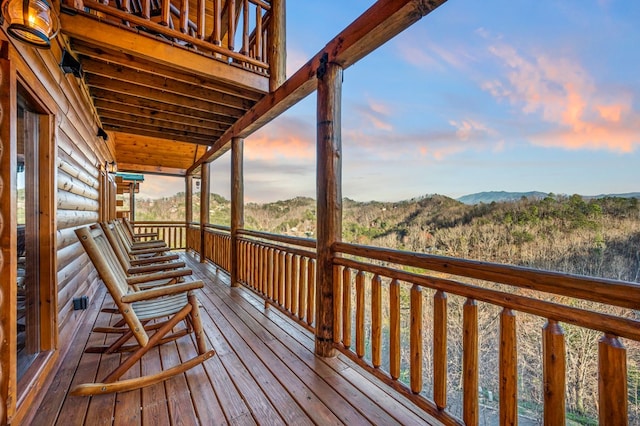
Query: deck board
point(264, 372)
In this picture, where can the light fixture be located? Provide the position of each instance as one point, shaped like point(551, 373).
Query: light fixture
point(31, 21)
point(69, 64)
point(113, 167)
point(102, 134)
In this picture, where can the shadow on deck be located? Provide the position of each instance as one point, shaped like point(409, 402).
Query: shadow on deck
point(265, 372)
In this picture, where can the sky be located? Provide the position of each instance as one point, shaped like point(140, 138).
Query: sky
point(498, 95)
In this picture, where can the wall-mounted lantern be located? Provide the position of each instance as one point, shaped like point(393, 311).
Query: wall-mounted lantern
point(31, 21)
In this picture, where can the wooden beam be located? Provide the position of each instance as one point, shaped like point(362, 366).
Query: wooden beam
point(277, 50)
point(163, 83)
point(237, 204)
point(159, 95)
point(381, 22)
point(136, 63)
point(329, 200)
point(157, 170)
point(135, 101)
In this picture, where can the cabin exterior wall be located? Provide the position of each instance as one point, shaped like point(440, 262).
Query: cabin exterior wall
point(76, 186)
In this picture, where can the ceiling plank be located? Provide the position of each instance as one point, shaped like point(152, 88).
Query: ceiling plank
point(86, 27)
point(160, 96)
point(108, 105)
point(124, 98)
point(156, 132)
point(165, 84)
point(118, 58)
point(106, 115)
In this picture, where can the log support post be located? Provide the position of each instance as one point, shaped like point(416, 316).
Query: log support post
point(277, 42)
point(329, 199)
point(237, 205)
point(188, 213)
point(204, 206)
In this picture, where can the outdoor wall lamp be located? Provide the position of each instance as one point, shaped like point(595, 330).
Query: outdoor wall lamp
point(102, 134)
point(31, 21)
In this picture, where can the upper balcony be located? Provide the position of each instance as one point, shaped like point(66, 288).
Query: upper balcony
point(176, 74)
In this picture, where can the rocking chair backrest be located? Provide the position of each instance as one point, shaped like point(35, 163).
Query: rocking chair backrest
point(110, 271)
point(116, 244)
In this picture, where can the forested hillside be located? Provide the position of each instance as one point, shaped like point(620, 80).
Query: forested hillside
point(596, 236)
point(590, 236)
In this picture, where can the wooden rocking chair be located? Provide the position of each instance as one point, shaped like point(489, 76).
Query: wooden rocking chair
point(150, 316)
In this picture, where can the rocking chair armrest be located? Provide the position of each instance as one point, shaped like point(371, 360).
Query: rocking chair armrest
point(145, 235)
point(161, 291)
point(141, 279)
point(151, 250)
point(155, 267)
point(154, 259)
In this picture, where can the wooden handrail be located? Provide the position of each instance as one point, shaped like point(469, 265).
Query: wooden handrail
point(298, 241)
point(602, 290)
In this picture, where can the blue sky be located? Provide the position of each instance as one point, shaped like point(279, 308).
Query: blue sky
point(513, 95)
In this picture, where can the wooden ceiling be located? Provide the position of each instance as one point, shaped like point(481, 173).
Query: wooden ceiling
point(175, 99)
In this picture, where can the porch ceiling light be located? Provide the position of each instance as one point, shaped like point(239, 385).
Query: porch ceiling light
point(31, 21)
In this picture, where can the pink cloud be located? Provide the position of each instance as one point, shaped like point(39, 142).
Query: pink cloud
point(286, 137)
point(375, 114)
point(565, 95)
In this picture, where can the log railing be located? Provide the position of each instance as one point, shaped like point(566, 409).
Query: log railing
point(281, 269)
point(173, 233)
point(418, 322)
point(395, 317)
point(217, 246)
point(236, 32)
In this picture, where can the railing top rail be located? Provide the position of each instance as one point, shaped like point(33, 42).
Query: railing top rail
point(601, 290)
point(298, 241)
point(217, 227)
point(158, 222)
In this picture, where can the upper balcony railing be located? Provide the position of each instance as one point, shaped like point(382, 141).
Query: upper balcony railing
point(467, 341)
point(232, 31)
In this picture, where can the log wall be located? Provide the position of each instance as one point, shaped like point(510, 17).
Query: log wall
point(78, 157)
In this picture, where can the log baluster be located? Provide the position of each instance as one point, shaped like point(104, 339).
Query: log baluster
point(281, 277)
point(295, 274)
point(394, 329)
point(612, 381)
point(217, 23)
point(258, 40)
point(184, 16)
point(311, 294)
point(470, 413)
point(508, 369)
point(360, 314)
point(553, 373)
point(337, 301)
point(303, 291)
point(200, 20)
point(415, 340)
point(231, 33)
point(245, 27)
point(165, 15)
point(287, 281)
point(440, 349)
point(376, 321)
point(270, 270)
point(346, 309)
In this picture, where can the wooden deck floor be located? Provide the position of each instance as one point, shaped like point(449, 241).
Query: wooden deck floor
point(264, 372)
